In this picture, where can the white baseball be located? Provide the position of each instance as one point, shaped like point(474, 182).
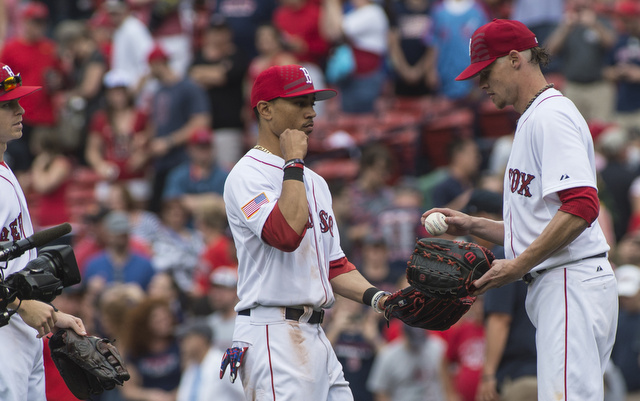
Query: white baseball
point(435, 224)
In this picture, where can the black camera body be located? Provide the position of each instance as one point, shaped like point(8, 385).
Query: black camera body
point(43, 278)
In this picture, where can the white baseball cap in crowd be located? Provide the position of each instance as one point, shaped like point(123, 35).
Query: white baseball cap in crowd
point(117, 79)
point(225, 277)
point(628, 277)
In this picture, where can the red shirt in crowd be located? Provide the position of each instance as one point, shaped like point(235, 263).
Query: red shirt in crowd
point(304, 24)
point(33, 61)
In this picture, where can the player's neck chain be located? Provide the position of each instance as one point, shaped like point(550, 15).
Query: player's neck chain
point(262, 148)
point(547, 86)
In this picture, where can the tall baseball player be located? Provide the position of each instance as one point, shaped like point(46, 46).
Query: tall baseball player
point(289, 255)
point(550, 230)
point(22, 373)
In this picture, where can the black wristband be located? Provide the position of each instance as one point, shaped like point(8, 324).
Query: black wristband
point(367, 297)
point(293, 173)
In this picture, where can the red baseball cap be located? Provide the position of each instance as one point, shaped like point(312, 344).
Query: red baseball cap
point(11, 85)
point(494, 40)
point(286, 81)
point(201, 136)
point(157, 53)
point(35, 10)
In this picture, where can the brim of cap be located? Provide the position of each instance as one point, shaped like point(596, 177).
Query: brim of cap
point(474, 69)
point(321, 94)
point(18, 92)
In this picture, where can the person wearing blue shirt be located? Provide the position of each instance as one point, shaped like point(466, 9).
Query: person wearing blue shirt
point(200, 179)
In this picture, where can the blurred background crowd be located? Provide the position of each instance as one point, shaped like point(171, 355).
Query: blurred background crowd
point(145, 110)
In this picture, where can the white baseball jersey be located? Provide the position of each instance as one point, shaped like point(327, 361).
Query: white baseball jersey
point(573, 305)
point(552, 151)
point(23, 378)
point(266, 275)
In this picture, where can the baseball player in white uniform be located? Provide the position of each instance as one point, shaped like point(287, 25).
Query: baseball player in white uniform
point(22, 372)
point(289, 255)
point(550, 230)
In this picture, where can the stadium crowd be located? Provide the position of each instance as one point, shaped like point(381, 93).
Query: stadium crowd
point(145, 110)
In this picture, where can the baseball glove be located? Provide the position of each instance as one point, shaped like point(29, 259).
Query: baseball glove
point(442, 268)
point(89, 365)
point(417, 309)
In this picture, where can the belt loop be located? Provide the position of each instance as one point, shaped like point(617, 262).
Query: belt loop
point(308, 311)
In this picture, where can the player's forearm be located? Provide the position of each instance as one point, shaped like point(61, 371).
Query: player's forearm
point(351, 285)
point(560, 232)
point(293, 205)
point(487, 229)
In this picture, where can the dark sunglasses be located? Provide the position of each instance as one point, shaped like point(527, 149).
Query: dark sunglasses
point(11, 83)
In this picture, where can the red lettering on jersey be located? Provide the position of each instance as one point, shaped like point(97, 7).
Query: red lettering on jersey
point(15, 230)
point(4, 234)
point(326, 222)
point(519, 182)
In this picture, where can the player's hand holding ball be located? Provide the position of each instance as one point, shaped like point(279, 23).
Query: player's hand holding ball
point(435, 224)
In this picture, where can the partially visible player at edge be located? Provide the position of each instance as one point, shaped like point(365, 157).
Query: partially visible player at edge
point(22, 373)
point(550, 230)
point(289, 255)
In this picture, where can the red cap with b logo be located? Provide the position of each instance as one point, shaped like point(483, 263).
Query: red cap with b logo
point(11, 85)
point(494, 40)
point(286, 81)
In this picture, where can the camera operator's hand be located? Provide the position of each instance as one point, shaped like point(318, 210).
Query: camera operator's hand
point(38, 315)
point(67, 321)
point(44, 318)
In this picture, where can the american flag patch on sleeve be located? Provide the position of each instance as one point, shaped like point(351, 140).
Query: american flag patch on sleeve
point(254, 205)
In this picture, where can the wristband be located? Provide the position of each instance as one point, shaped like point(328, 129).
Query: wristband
point(293, 174)
point(368, 295)
point(293, 163)
point(376, 299)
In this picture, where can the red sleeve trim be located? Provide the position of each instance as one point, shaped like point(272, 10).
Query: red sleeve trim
point(582, 202)
point(279, 234)
point(340, 266)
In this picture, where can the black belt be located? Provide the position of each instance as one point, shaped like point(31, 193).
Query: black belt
point(529, 277)
point(294, 314)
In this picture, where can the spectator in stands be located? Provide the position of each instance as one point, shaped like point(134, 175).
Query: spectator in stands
point(372, 193)
point(244, 18)
point(200, 180)
point(152, 352)
point(50, 177)
point(616, 176)
point(463, 360)
point(179, 107)
point(20, 52)
point(355, 337)
point(408, 51)
point(365, 28)
point(419, 354)
point(145, 225)
point(582, 41)
point(624, 65)
point(131, 43)
point(163, 286)
point(626, 350)
point(220, 68)
point(201, 360)
point(463, 168)
point(299, 22)
point(271, 50)
point(222, 299)
point(541, 17)
point(375, 265)
point(219, 251)
point(454, 21)
point(117, 145)
point(178, 246)
point(84, 66)
point(170, 23)
point(118, 263)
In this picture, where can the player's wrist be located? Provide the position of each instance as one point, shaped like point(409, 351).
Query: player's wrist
point(372, 296)
point(293, 170)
